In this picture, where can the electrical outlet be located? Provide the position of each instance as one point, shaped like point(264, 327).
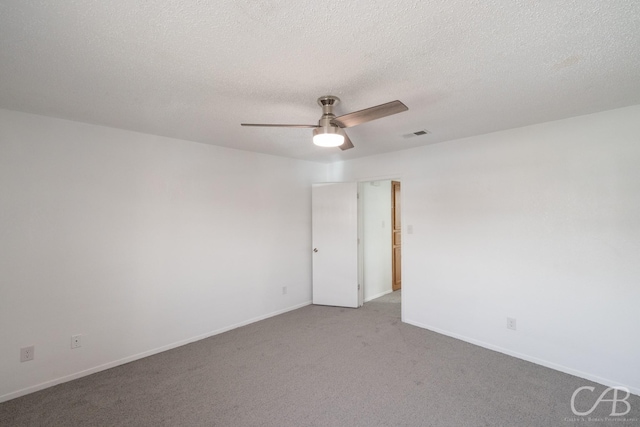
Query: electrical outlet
point(284, 290)
point(76, 341)
point(26, 353)
point(511, 323)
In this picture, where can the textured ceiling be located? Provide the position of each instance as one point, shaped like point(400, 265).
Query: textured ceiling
point(195, 69)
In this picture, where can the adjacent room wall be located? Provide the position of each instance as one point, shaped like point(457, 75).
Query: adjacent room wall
point(139, 243)
point(376, 204)
point(541, 224)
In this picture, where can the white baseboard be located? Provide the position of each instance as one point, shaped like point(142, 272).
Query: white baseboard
point(595, 378)
point(109, 365)
point(378, 295)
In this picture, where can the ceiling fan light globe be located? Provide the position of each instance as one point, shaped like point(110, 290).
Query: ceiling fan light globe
point(328, 137)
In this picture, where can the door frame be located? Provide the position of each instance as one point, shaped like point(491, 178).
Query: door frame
point(360, 220)
point(396, 263)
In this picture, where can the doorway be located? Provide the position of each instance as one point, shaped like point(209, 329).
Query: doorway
point(380, 238)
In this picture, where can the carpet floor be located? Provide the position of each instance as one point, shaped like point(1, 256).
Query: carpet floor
point(321, 366)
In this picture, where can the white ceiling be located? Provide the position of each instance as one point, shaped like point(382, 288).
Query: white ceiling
point(195, 69)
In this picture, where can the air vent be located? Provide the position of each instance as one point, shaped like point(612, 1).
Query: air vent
point(417, 133)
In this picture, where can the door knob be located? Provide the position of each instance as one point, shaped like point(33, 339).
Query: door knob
point(315, 249)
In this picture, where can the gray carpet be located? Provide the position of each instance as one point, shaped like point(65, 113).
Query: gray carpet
point(319, 366)
point(393, 297)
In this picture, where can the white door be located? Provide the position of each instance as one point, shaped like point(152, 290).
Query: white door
point(335, 244)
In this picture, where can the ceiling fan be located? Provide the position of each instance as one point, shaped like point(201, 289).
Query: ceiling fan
point(329, 130)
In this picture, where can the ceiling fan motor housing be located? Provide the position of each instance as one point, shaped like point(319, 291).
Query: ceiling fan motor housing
point(330, 129)
point(328, 134)
point(326, 121)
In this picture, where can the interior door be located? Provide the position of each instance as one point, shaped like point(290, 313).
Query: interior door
point(335, 244)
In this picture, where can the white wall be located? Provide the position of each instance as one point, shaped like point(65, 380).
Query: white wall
point(376, 241)
point(138, 242)
point(141, 243)
point(540, 223)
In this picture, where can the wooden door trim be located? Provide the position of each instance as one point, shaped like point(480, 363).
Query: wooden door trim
point(396, 236)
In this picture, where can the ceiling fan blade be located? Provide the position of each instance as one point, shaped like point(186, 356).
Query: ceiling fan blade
point(347, 142)
point(279, 126)
point(368, 114)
